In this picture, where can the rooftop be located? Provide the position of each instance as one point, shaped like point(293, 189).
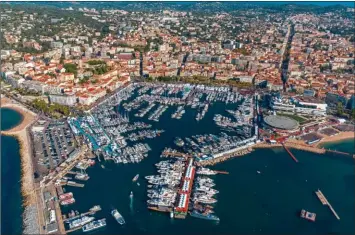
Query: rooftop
point(281, 122)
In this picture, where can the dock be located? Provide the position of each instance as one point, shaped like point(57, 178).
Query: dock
point(222, 172)
point(175, 154)
point(73, 229)
point(90, 212)
point(74, 184)
point(289, 152)
point(214, 161)
point(338, 152)
point(324, 201)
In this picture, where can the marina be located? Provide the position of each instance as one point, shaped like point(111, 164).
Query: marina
point(180, 184)
point(112, 126)
point(122, 127)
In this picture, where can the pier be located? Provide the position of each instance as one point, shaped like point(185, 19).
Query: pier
point(92, 211)
point(324, 201)
point(74, 184)
point(289, 152)
point(222, 172)
point(175, 154)
point(338, 152)
point(223, 158)
point(73, 229)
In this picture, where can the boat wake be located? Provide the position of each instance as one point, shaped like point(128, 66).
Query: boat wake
point(131, 206)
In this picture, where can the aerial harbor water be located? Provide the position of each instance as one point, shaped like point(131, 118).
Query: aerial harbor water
point(248, 203)
point(347, 146)
point(11, 199)
point(9, 118)
point(262, 194)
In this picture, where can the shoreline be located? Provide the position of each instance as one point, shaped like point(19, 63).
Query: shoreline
point(336, 138)
point(20, 132)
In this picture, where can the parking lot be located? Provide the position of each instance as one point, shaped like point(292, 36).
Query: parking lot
point(311, 138)
point(345, 127)
point(53, 142)
point(329, 132)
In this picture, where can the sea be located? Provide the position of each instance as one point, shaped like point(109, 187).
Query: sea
point(11, 198)
point(248, 202)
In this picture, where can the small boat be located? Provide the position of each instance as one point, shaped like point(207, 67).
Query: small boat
point(94, 225)
point(135, 178)
point(258, 172)
point(308, 215)
point(138, 184)
point(131, 195)
point(118, 217)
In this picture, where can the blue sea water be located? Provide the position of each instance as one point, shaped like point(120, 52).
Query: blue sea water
point(347, 146)
point(11, 198)
point(9, 118)
point(248, 202)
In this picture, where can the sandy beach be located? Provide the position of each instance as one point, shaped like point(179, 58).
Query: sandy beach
point(338, 137)
point(20, 132)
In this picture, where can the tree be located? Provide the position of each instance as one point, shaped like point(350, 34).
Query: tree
point(340, 109)
point(71, 68)
point(105, 29)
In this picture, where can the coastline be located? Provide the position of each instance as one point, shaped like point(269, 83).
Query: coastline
point(20, 132)
point(336, 138)
point(316, 148)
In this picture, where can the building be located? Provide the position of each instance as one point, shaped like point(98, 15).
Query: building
point(201, 58)
point(281, 123)
point(246, 79)
point(180, 210)
point(332, 99)
point(69, 100)
point(52, 89)
point(14, 80)
point(279, 104)
point(56, 44)
point(307, 92)
point(300, 104)
point(310, 103)
point(35, 86)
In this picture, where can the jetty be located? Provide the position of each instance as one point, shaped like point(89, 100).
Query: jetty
point(92, 211)
point(74, 184)
point(175, 154)
point(73, 229)
point(325, 202)
point(289, 152)
point(338, 152)
point(222, 172)
point(223, 158)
